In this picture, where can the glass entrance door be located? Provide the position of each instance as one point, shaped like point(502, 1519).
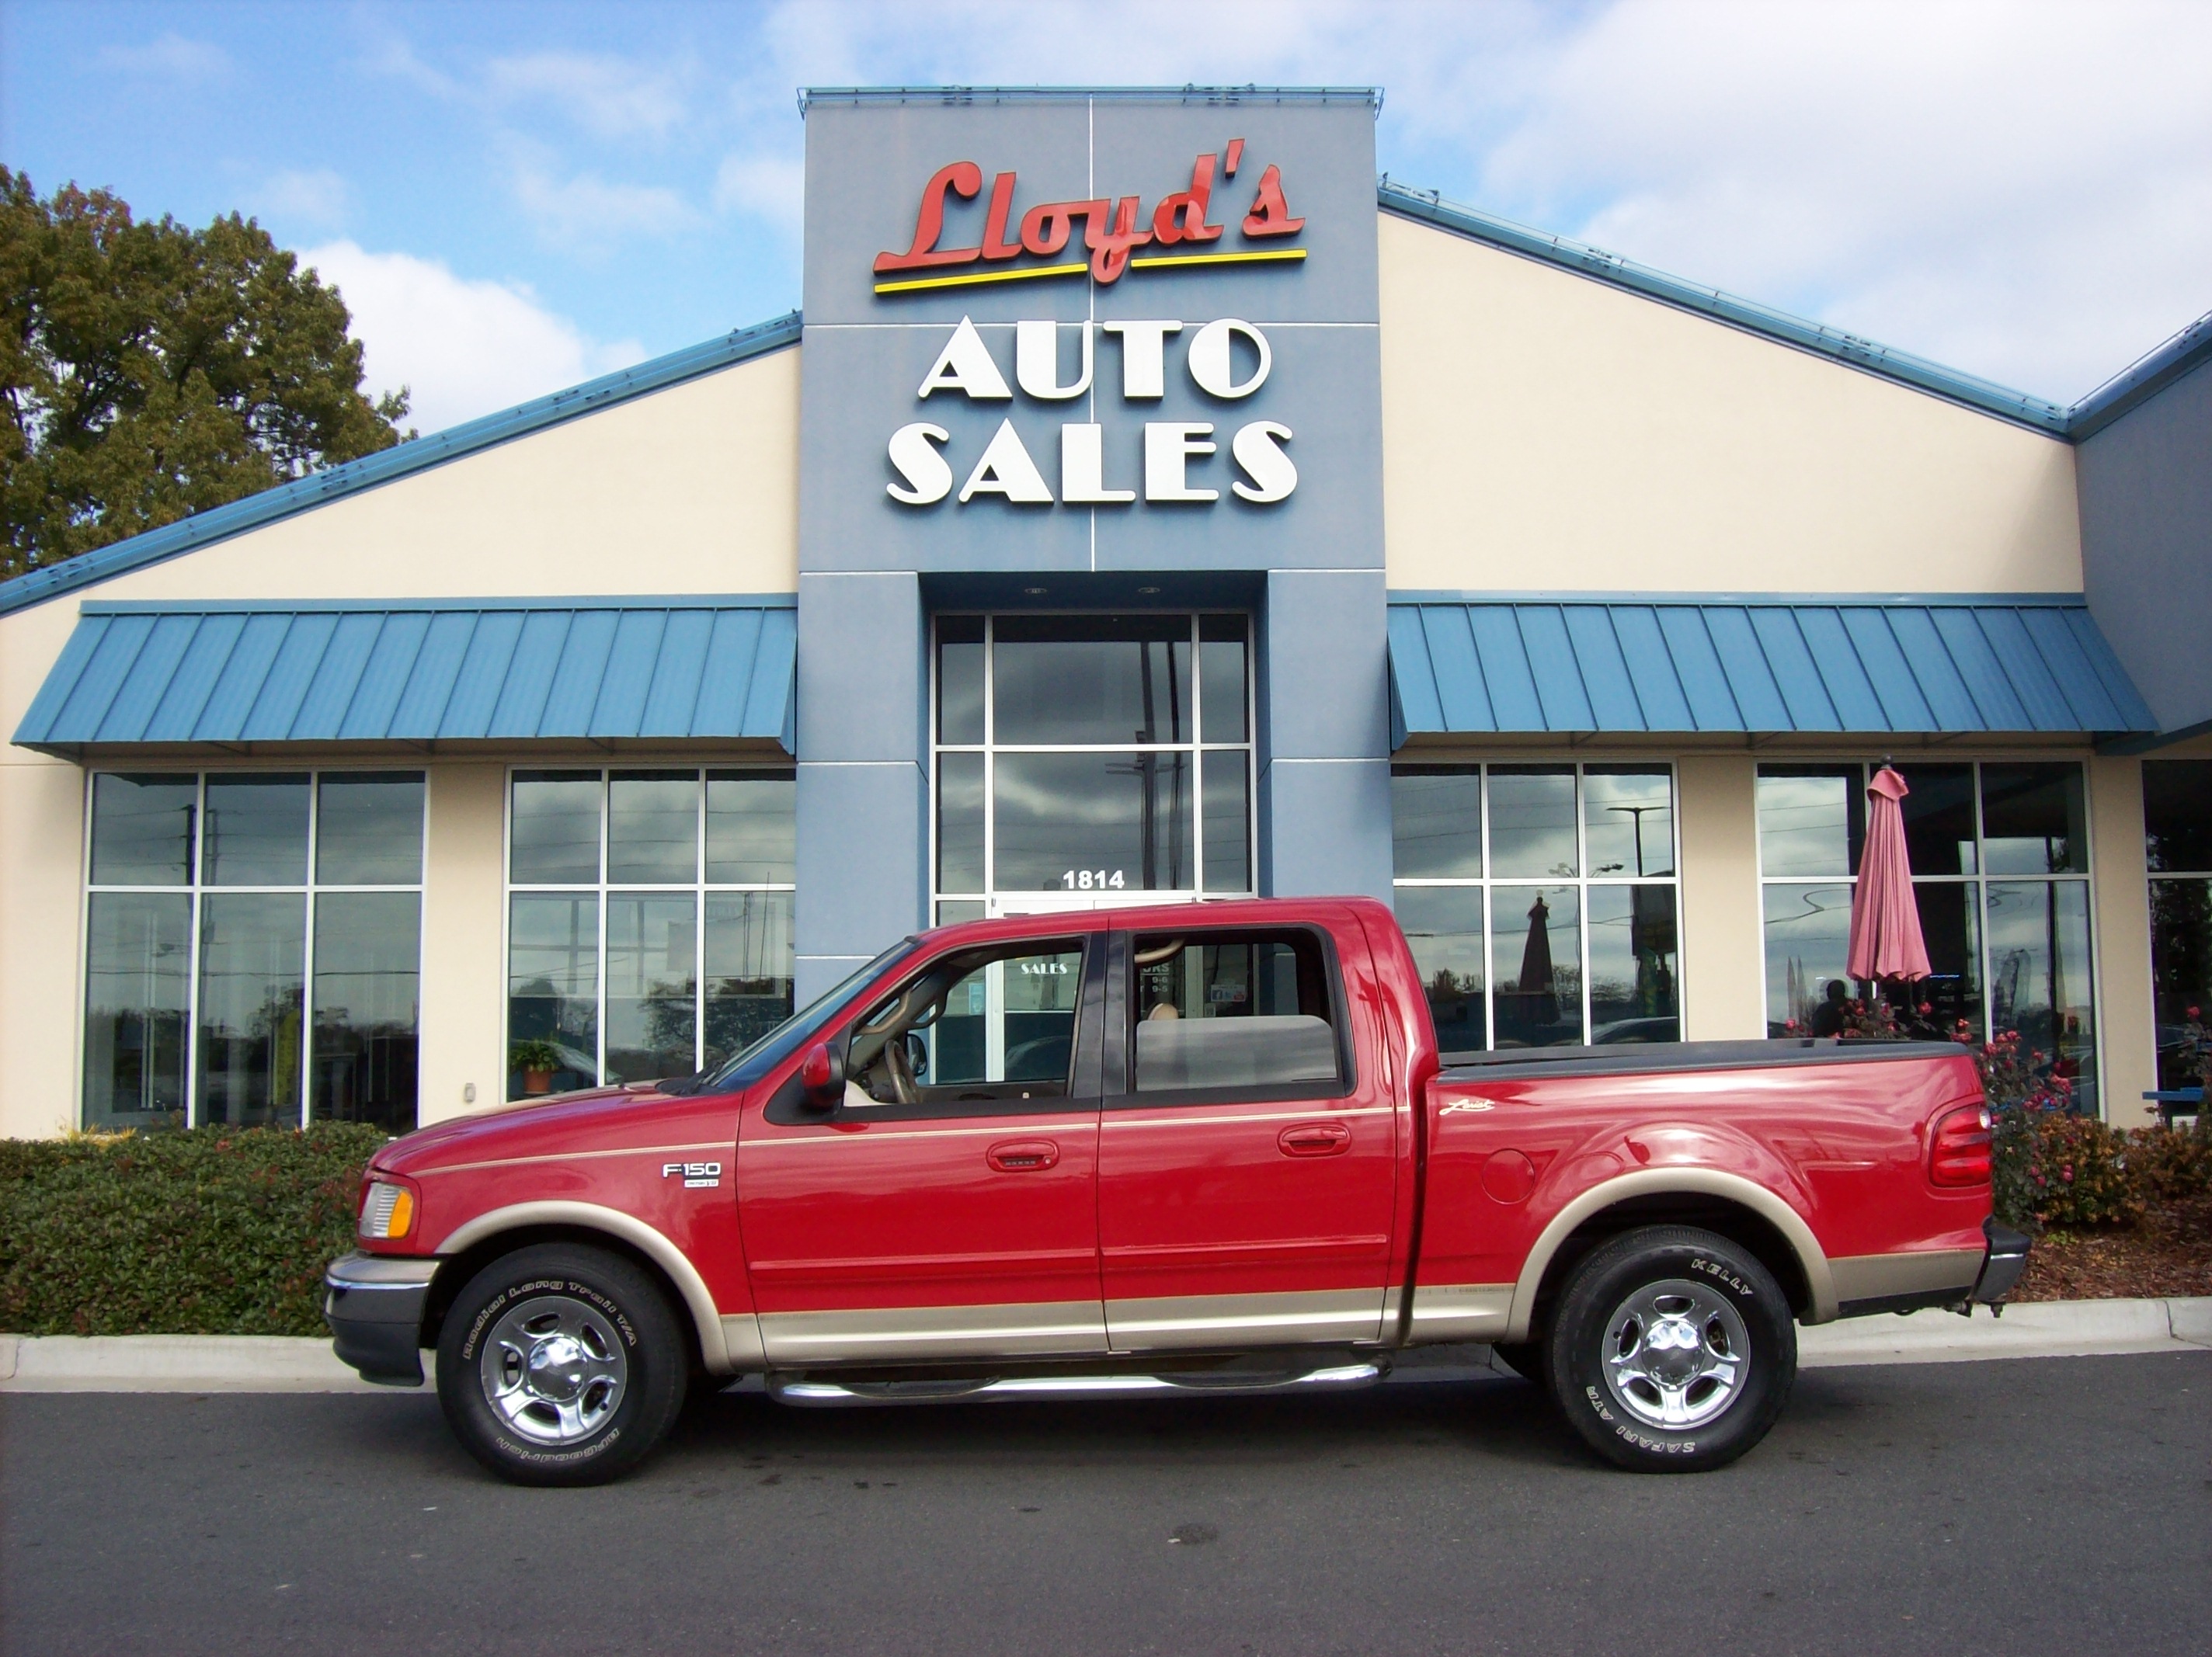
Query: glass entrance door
point(1091, 760)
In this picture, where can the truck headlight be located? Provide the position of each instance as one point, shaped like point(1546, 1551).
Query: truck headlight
point(387, 1212)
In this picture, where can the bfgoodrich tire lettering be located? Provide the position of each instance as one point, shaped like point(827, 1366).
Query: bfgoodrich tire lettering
point(561, 1364)
point(1673, 1350)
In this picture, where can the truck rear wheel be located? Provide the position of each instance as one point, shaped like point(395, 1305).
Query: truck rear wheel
point(560, 1364)
point(1673, 1350)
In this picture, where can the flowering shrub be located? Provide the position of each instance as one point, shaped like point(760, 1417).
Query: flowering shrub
point(2170, 1165)
point(2051, 1166)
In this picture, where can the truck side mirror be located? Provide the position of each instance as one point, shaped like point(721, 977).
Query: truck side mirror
point(822, 1077)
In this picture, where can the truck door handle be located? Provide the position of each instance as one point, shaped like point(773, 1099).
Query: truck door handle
point(1315, 1140)
point(1021, 1156)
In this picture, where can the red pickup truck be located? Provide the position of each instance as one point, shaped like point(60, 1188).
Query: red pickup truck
point(1191, 1149)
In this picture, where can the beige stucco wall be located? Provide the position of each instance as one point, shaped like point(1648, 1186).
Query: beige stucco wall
point(464, 978)
point(1542, 429)
point(1723, 972)
point(691, 490)
point(2120, 899)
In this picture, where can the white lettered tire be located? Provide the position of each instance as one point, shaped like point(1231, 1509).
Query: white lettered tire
point(561, 1364)
point(1674, 1350)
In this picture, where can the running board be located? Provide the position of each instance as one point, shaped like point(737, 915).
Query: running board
point(828, 1394)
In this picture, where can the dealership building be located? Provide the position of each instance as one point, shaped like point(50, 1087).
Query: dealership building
point(1145, 505)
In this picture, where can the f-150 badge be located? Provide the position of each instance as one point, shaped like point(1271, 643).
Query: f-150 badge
point(696, 1174)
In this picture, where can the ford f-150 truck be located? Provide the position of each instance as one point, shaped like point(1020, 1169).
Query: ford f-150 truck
point(1191, 1149)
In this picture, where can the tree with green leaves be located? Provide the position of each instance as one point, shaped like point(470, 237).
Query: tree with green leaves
point(151, 371)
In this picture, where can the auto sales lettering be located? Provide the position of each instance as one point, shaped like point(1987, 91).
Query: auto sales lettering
point(1226, 358)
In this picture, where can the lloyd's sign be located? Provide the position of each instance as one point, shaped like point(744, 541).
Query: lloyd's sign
point(1053, 332)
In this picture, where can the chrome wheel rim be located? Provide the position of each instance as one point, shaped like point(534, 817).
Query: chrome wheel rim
point(1676, 1354)
point(554, 1369)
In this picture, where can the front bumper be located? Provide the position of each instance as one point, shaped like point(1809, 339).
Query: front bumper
point(373, 1304)
point(2001, 1266)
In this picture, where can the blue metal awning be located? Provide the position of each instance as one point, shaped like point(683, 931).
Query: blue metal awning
point(1569, 664)
point(617, 669)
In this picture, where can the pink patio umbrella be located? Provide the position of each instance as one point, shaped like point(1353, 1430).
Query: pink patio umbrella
point(1885, 941)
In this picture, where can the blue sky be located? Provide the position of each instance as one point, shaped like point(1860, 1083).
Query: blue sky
point(513, 198)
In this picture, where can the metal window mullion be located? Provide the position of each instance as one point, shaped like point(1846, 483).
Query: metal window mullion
point(1489, 916)
point(193, 870)
point(990, 763)
point(1197, 759)
point(1582, 893)
point(599, 966)
point(699, 934)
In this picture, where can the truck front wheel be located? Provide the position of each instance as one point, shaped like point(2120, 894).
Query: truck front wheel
point(1673, 1350)
point(560, 1364)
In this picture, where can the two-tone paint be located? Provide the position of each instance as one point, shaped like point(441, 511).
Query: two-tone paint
point(1406, 1203)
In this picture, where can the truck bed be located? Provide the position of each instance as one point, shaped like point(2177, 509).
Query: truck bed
point(1633, 1058)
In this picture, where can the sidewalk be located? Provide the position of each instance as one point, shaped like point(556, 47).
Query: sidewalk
point(280, 1363)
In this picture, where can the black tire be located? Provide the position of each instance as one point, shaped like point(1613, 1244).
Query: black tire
point(1614, 1382)
point(536, 1411)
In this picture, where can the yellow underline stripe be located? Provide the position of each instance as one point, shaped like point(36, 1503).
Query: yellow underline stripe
point(979, 276)
point(1158, 263)
point(1161, 261)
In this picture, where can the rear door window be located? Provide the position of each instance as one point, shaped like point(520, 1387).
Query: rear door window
point(1235, 1014)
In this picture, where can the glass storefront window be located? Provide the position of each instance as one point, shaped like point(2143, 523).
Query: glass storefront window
point(197, 995)
point(676, 958)
point(2178, 847)
point(1081, 756)
point(1559, 926)
point(2005, 955)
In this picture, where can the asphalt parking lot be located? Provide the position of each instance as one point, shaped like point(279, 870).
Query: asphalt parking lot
point(2055, 1505)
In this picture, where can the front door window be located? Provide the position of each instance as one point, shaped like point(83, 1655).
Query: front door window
point(1088, 759)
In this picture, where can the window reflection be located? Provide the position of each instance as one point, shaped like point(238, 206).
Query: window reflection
point(1633, 994)
point(1628, 821)
point(253, 949)
point(1809, 928)
point(1443, 925)
point(553, 992)
point(1535, 954)
point(368, 829)
point(256, 832)
point(1812, 819)
point(1939, 818)
point(1099, 821)
point(139, 948)
point(2034, 818)
point(141, 829)
point(1436, 822)
point(748, 969)
point(369, 957)
point(653, 828)
point(1072, 679)
point(2039, 976)
point(2181, 970)
point(1532, 821)
point(652, 986)
point(557, 829)
point(752, 828)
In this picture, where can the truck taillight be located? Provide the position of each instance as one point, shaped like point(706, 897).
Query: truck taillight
point(1959, 1150)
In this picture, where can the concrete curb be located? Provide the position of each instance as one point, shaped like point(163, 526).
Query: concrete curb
point(174, 1364)
point(285, 1363)
point(2037, 1329)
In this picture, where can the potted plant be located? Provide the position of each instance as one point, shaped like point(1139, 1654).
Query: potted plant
point(536, 1058)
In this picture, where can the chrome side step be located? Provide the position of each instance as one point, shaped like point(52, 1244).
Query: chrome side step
point(812, 1393)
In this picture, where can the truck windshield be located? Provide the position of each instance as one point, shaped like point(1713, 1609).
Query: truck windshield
point(756, 1060)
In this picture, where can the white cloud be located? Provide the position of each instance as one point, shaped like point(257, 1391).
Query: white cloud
point(463, 347)
point(773, 187)
point(320, 196)
point(172, 56)
point(610, 97)
point(586, 213)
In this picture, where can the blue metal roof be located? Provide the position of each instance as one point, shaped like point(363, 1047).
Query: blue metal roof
point(485, 669)
point(1473, 663)
point(417, 454)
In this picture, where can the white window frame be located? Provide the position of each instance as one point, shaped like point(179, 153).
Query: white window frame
point(990, 748)
point(1488, 882)
point(698, 888)
point(197, 888)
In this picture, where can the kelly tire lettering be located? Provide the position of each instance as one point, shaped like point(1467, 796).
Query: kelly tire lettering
point(1722, 1294)
point(573, 1287)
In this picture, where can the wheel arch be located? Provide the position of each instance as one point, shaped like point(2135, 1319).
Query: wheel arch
point(1745, 1212)
point(475, 1244)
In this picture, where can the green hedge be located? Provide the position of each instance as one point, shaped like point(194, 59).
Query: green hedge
point(217, 1231)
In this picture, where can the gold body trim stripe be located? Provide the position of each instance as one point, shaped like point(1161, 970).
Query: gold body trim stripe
point(1460, 1311)
point(1274, 1320)
point(1051, 1328)
point(1873, 1276)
